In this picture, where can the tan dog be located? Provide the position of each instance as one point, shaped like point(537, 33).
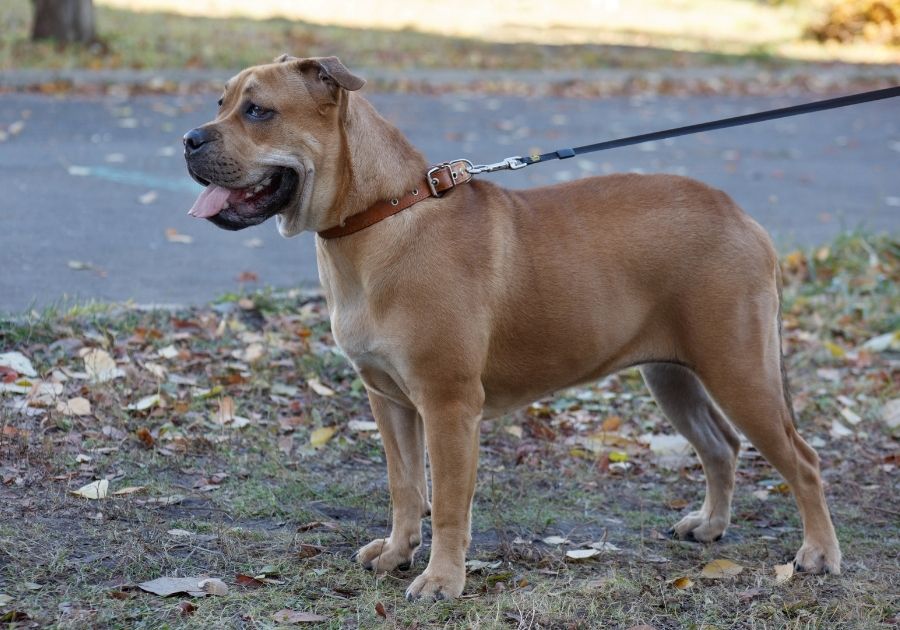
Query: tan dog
point(471, 305)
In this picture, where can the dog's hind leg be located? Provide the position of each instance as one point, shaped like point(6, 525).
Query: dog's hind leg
point(684, 401)
point(404, 446)
point(743, 372)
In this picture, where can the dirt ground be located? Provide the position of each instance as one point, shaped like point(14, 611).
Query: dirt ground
point(241, 446)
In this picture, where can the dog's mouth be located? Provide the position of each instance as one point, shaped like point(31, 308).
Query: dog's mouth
point(239, 208)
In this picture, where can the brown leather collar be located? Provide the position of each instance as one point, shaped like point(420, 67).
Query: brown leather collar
point(438, 180)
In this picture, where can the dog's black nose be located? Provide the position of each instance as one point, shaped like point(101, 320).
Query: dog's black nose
point(196, 138)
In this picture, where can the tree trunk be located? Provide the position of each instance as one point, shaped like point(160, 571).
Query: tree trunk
point(64, 20)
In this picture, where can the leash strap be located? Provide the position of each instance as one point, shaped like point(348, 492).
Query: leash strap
point(735, 121)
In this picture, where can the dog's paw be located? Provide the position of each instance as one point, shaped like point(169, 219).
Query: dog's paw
point(700, 526)
point(814, 558)
point(386, 554)
point(432, 586)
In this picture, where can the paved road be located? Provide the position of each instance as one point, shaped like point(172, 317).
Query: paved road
point(90, 186)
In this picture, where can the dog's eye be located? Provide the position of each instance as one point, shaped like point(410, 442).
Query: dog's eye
point(257, 112)
point(221, 100)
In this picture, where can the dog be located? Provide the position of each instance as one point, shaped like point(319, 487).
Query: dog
point(457, 300)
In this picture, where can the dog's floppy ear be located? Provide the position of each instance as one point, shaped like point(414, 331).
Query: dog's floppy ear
point(330, 73)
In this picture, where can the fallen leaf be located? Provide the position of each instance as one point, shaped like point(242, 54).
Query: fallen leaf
point(721, 568)
point(478, 565)
point(18, 362)
point(308, 551)
point(682, 582)
point(612, 423)
point(129, 490)
point(678, 504)
point(287, 615)
point(187, 608)
point(850, 416)
point(890, 413)
point(380, 611)
point(286, 444)
point(94, 490)
point(195, 586)
point(514, 430)
point(100, 367)
point(144, 403)
point(248, 581)
point(838, 430)
point(362, 426)
point(783, 572)
point(144, 435)
point(320, 389)
point(581, 554)
point(321, 435)
point(75, 407)
point(881, 343)
point(604, 546)
point(670, 451)
point(556, 540)
point(213, 586)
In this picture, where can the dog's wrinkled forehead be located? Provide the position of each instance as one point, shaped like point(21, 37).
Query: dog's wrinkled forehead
point(293, 81)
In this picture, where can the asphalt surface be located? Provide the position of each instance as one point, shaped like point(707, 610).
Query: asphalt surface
point(91, 185)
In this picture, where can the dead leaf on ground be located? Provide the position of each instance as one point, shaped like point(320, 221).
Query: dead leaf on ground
point(380, 611)
point(682, 582)
point(721, 568)
point(581, 554)
point(784, 572)
point(319, 437)
point(286, 615)
point(75, 407)
point(195, 586)
point(18, 362)
point(890, 413)
point(321, 390)
point(362, 426)
point(308, 551)
point(248, 581)
point(129, 490)
point(100, 366)
point(145, 403)
point(556, 540)
point(94, 490)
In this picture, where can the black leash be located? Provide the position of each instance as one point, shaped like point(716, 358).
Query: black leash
point(734, 121)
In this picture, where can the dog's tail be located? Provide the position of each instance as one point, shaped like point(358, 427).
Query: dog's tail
point(785, 385)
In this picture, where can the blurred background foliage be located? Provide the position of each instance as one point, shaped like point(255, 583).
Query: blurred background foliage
point(504, 34)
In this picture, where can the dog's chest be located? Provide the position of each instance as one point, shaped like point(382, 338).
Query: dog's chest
point(355, 334)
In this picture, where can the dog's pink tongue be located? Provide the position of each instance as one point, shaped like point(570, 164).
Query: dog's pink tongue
point(210, 202)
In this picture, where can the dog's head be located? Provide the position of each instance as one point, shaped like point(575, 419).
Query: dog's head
point(277, 132)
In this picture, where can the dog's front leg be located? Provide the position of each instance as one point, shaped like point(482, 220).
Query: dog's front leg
point(404, 447)
point(451, 432)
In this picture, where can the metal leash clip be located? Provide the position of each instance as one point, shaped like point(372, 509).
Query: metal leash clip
point(510, 163)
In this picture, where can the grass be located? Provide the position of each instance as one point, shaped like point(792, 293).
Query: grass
point(652, 34)
point(259, 499)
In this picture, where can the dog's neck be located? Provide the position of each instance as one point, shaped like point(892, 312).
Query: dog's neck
point(379, 162)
